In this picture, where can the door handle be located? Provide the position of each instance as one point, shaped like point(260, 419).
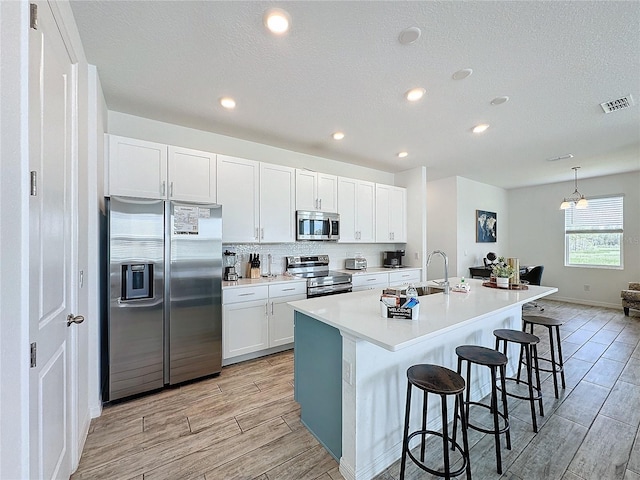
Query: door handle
point(71, 318)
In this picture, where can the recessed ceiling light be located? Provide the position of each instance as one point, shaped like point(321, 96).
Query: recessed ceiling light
point(276, 20)
point(228, 103)
point(480, 128)
point(409, 35)
point(338, 136)
point(415, 94)
point(402, 154)
point(462, 74)
point(500, 100)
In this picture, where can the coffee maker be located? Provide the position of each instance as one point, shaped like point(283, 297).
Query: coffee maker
point(392, 259)
point(229, 263)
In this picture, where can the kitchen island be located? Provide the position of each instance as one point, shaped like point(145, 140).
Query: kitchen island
point(350, 363)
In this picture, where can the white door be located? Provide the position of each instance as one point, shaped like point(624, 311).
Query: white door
point(306, 194)
point(192, 175)
point(347, 191)
point(51, 250)
point(365, 213)
point(327, 192)
point(277, 203)
point(238, 193)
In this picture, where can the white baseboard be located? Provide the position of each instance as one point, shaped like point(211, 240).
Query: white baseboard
point(591, 303)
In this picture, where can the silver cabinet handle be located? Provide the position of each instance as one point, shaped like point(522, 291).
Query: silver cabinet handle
point(246, 294)
point(262, 234)
point(320, 204)
point(163, 187)
point(266, 308)
point(171, 189)
point(271, 308)
point(71, 318)
point(288, 289)
point(372, 279)
point(257, 233)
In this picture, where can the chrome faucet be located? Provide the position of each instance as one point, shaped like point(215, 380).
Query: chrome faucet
point(444, 284)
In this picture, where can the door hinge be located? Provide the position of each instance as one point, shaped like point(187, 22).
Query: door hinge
point(33, 16)
point(34, 183)
point(33, 354)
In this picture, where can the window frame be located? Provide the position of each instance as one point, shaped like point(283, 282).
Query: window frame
point(568, 234)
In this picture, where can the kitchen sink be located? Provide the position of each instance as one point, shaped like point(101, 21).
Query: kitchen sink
point(426, 290)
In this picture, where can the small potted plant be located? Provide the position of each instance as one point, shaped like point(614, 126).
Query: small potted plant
point(503, 273)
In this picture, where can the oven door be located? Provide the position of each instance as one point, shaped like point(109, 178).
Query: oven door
point(323, 291)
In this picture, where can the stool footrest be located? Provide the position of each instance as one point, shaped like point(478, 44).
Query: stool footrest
point(522, 397)
point(550, 370)
point(486, 430)
point(437, 473)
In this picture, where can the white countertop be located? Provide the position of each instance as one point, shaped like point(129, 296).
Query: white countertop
point(358, 313)
point(249, 282)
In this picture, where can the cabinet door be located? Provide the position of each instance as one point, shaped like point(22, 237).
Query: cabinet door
point(137, 168)
point(347, 192)
point(365, 211)
point(192, 175)
point(306, 195)
point(277, 203)
point(245, 328)
point(383, 197)
point(398, 214)
point(402, 277)
point(327, 192)
point(281, 320)
point(238, 193)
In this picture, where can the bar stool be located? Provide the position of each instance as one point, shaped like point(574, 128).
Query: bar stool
point(494, 360)
point(556, 367)
point(528, 342)
point(440, 381)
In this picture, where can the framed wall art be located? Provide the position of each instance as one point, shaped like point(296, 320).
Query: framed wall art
point(486, 226)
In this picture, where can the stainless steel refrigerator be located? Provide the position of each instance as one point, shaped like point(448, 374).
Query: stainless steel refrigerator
point(164, 318)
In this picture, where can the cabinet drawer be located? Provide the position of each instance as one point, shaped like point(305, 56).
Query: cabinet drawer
point(397, 278)
point(245, 294)
point(370, 279)
point(286, 289)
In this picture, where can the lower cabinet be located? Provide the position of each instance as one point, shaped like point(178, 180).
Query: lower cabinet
point(257, 318)
point(402, 277)
point(370, 281)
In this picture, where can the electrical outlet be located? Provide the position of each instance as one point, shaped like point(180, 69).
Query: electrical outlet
point(587, 288)
point(346, 371)
point(416, 256)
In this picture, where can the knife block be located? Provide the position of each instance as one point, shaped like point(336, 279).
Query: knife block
point(254, 273)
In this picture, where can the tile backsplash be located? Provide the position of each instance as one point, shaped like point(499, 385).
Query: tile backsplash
point(337, 252)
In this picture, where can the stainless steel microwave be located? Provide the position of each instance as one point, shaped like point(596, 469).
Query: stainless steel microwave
point(317, 226)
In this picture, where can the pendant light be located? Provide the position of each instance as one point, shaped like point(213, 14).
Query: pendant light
point(576, 197)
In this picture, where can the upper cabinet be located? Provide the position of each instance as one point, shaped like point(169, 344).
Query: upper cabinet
point(138, 168)
point(257, 201)
point(316, 191)
point(356, 207)
point(277, 203)
point(391, 214)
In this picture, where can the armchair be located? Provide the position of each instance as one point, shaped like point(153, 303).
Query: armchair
point(631, 297)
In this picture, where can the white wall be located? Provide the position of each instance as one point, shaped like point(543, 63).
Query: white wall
point(154, 131)
point(415, 181)
point(452, 205)
point(536, 229)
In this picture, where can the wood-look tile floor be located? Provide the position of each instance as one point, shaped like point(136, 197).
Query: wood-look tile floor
point(244, 424)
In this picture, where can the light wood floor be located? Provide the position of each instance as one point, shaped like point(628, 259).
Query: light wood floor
point(244, 424)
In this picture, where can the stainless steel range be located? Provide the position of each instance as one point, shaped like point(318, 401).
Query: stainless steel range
point(320, 280)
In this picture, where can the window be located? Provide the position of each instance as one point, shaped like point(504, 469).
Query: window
point(593, 236)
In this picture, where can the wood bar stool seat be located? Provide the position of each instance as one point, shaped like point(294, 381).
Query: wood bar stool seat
point(495, 360)
point(528, 343)
point(443, 382)
point(556, 366)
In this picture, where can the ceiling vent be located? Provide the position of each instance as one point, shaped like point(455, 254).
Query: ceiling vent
point(617, 104)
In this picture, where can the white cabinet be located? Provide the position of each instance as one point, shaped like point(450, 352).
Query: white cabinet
point(238, 193)
point(257, 201)
point(316, 191)
point(391, 214)
point(277, 203)
point(402, 277)
point(369, 281)
point(245, 321)
point(256, 318)
point(138, 168)
point(281, 314)
point(356, 207)
point(192, 175)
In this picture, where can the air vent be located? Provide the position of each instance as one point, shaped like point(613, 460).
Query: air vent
point(617, 104)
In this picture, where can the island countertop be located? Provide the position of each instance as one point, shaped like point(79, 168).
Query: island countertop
point(358, 313)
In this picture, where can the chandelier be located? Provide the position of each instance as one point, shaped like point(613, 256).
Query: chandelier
point(576, 198)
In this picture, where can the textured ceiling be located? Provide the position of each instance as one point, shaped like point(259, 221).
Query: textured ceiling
point(341, 67)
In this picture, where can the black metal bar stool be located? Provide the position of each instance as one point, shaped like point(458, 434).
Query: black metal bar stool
point(494, 360)
point(556, 366)
point(440, 381)
point(528, 343)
